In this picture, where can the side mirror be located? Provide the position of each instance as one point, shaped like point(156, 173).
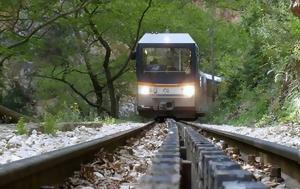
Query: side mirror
point(133, 55)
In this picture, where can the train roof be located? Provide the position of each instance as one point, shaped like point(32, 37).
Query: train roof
point(209, 76)
point(165, 38)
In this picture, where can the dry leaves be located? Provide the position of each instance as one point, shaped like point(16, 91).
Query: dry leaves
point(121, 168)
point(260, 171)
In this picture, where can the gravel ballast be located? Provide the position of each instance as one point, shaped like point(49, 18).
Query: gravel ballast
point(288, 135)
point(15, 147)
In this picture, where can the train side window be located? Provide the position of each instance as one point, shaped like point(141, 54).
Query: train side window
point(204, 84)
point(200, 82)
point(209, 88)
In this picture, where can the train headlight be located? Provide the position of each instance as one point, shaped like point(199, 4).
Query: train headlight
point(143, 90)
point(188, 91)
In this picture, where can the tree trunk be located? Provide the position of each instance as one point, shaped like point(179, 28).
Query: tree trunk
point(95, 82)
point(114, 104)
point(99, 100)
point(109, 79)
point(97, 87)
point(112, 95)
point(10, 116)
point(118, 98)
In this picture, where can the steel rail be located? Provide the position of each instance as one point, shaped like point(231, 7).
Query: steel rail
point(54, 167)
point(287, 158)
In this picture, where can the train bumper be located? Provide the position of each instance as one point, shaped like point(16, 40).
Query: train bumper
point(176, 112)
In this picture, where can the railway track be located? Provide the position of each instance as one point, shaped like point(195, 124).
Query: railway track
point(189, 158)
point(285, 160)
point(54, 167)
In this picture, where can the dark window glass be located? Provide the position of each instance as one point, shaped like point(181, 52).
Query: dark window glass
point(167, 60)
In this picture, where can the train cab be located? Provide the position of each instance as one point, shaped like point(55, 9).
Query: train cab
point(167, 74)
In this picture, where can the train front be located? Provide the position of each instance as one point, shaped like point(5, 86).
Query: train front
point(167, 75)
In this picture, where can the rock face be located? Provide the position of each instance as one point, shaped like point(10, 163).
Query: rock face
point(228, 15)
point(127, 107)
point(221, 13)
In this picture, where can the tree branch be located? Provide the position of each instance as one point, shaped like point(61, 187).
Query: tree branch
point(17, 17)
point(71, 86)
point(3, 60)
point(122, 70)
point(99, 37)
point(88, 93)
point(2, 30)
point(78, 71)
point(26, 29)
point(81, 6)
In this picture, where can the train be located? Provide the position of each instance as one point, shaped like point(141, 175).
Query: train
point(169, 81)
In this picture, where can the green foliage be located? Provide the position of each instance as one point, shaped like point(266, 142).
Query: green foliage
point(60, 52)
point(135, 118)
point(69, 113)
point(258, 56)
point(16, 99)
point(49, 124)
point(132, 118)
point(265, 120)
point(21, 127)
point(263, 82)
point(110, 120)
point(291, 111)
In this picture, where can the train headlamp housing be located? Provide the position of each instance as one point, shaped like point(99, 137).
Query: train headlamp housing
point(143, 90)
point(188, 91)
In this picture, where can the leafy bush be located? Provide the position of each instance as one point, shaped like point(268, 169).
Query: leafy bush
point(261, 84)
point(50, 124)
point(69, 113)
point(265, 120)
point(136, 118)
point(291, 111)
point(21, 127)
point(110, 120)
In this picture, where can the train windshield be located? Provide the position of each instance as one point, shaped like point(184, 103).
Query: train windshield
point(167, 60)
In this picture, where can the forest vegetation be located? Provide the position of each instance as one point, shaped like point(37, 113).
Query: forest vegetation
point(71, 59)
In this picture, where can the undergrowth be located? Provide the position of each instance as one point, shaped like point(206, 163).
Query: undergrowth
point(21, 127)
point(70, 113)
point(259, 112)
point(132, 118)
point(50, 124)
